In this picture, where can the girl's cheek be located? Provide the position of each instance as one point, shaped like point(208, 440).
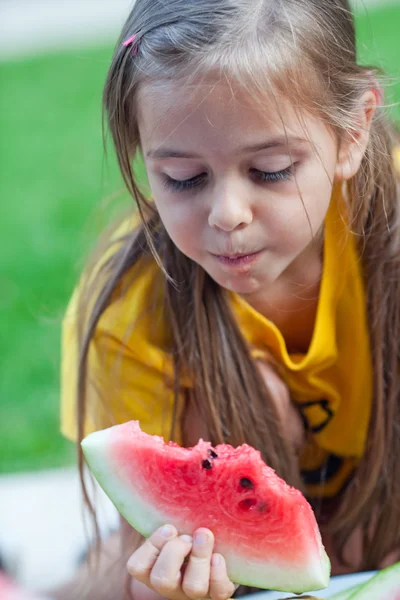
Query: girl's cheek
point(182, 219)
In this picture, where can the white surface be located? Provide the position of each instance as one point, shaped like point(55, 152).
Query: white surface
point(35, 26)
point(42, 529)
point(337, 584)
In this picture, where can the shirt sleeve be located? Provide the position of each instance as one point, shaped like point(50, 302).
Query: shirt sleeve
point(396, 158)
point(128, 377)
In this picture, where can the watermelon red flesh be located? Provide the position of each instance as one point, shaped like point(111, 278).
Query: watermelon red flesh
point(265, 529)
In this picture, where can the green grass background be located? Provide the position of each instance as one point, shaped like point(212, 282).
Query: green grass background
point(56, 194)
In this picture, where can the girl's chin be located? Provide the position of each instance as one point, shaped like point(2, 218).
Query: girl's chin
point(240, 285)
point(244, 283)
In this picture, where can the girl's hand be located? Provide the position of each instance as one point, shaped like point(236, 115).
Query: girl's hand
point(160, 564)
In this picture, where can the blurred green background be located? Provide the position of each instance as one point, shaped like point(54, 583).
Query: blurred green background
point(57, 193)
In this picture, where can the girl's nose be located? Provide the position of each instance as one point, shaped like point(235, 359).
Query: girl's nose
point(230, 209)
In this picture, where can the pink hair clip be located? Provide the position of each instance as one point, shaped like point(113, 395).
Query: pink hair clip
point(379, 95)
point(131, 41)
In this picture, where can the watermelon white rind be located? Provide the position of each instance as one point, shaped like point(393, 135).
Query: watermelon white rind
point(130, 504)
point(385, 585)
point(265, 529)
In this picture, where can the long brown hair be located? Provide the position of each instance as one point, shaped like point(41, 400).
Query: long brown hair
point(304, 49)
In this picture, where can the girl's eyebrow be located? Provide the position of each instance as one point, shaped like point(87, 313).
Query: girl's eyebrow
point(278, 142)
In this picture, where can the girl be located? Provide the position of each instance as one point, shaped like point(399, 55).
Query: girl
point(258, 300)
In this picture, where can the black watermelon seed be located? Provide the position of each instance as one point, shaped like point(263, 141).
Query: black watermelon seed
point(206, 464)
point(246, 483)
point(248, 503)
point(212, 453)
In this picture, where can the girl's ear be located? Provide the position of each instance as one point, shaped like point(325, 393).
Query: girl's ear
point(353, 147)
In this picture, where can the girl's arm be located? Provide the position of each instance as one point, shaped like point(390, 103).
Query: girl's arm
point(289, 415)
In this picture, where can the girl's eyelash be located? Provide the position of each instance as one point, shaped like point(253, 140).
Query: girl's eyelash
point(272, 177)
point(186, 184)
point(194, 182)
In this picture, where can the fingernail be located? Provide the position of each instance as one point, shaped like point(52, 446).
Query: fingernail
point(167, 531)
point(186, 538)
point(216, 560)
point(200, 538)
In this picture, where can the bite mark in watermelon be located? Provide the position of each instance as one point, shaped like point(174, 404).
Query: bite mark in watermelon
point(264, 528)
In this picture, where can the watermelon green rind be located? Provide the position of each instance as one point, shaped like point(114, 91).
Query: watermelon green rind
point(304, 598)
point(262, 576)
point(345, 594)
point(122, 475)
point(385, 584)
point(131, 506)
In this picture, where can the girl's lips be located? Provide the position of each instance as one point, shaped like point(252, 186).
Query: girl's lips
point(238, 260)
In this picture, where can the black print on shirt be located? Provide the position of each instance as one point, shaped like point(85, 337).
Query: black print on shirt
point(325, 472)
point(322, 414)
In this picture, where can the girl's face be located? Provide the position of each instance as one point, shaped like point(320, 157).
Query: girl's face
point(241, 190)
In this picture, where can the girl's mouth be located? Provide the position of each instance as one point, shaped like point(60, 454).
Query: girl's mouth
point(237, 260)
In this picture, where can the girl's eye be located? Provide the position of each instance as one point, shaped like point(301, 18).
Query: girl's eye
point(181, 185)
point(283, 175)
point(178, 185)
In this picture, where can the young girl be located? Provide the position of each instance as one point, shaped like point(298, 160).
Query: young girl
point(257, 299)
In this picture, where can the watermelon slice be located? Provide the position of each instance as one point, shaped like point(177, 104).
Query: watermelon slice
point(345, 594)
point(265, 529)
point(384, 585)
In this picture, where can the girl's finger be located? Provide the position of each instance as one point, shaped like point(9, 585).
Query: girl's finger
point(165, 577)
point(144, 558)
point(196, 580)
point(221, 587)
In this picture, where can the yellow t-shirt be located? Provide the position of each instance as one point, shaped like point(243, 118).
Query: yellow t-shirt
point(131, 370)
